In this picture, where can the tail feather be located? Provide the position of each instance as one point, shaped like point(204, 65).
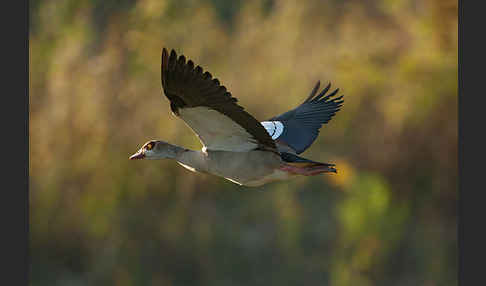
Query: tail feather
point(296, 161)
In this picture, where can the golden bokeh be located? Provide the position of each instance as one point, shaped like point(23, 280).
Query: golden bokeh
point(388, 217)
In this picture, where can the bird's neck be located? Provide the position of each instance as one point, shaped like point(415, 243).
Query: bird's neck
point(169, 152)
point(175, 152)
point(178, 151)
point(190, 159)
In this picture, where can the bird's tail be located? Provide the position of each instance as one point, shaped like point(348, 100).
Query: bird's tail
point(307, 165)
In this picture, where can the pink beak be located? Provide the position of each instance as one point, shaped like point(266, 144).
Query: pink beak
point(138, 155)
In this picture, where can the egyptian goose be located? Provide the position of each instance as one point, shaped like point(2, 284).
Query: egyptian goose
point(235, 145)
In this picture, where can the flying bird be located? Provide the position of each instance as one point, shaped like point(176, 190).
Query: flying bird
point(236, 146)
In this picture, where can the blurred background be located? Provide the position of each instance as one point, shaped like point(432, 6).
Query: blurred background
point(388, 217)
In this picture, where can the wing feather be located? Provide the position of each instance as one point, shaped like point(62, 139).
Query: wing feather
point(208, 108)
point(302, 124)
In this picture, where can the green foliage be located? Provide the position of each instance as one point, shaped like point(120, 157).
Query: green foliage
point(388, 217)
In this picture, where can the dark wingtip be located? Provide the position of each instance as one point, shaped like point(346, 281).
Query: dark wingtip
point(190, 64)
point(207, 75)
point(182, 59)
point(334, 92)
point(172, 60)
point(323, 92)
point(164, 65)
point(313, 92)
point(165, 55)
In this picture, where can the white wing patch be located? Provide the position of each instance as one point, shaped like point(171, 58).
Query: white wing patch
point(217, 131)
point(274, 128)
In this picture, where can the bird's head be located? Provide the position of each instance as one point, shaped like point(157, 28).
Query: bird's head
point(155, 149)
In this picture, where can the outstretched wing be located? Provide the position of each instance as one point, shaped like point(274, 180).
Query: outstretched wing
point(209, 109)
point(299, 127)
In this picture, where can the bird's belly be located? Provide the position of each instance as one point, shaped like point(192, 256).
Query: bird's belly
point(253, 168)
point(276, 175)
